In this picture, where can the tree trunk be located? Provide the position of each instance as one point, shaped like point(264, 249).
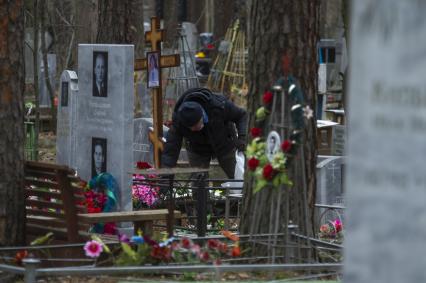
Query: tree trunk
point(196, 13)
point(282, 37)
point(63, 18)
point(12, 79)
point(44, 51)
point(224, 14)
point(121, 21)
point(170, 18)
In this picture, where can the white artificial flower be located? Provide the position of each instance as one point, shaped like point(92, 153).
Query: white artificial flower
point(307, 112)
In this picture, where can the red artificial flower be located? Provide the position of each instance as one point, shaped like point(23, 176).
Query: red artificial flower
point(268, 172)
point(186, 243)
point(204, 256)
point(212, 244)
point(109, 228)
point(286, 146)
point(150, 241)
point(256, 132)
point(267, 97)
point(143, 165)
point(338, 226)
point(253, 163)
point(236, 251)
point(20, 256)
point(161, 253)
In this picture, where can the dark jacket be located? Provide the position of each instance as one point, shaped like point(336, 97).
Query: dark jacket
point(217, 138)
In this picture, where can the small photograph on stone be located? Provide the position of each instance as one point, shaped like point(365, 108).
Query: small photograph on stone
point(99, 156)
point(64, 94)
point(273, 142)
point(100, 74)
point(153, 69)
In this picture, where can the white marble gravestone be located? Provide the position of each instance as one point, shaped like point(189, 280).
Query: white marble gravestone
point(143, 150)
point(386, 179)
point(105, 115)
point(66, 139)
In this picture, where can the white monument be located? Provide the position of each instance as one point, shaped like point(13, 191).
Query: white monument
point(386, 180)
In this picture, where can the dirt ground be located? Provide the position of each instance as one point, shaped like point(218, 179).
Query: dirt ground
point(47, 147)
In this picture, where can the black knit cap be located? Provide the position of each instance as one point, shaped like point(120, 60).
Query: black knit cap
point(190, 113)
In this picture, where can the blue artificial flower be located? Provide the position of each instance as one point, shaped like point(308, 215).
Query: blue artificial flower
point(167, 242)
point(137, 239)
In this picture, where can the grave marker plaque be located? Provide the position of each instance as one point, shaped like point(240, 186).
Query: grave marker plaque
point(386, 180)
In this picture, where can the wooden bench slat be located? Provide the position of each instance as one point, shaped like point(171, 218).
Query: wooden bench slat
point(40, 183)
point(47, 213)
point(127, 216)
point(41, 194)
point(53, 222)
point(40, 174)
point(59, 233)
point(47, 166)
point(46, 221)
point(44, 204)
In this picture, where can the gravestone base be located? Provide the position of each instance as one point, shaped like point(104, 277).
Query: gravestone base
point(126, 228)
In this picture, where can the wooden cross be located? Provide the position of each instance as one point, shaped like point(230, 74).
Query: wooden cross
point(155, 36)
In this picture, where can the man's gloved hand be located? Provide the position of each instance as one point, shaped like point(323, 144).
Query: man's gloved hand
point(241, 145)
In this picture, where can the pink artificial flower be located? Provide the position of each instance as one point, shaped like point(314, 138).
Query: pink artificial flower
point(93, 249)
point(223, 248)
point(145, 193)
point(325, 229)
point(338, 226)
point(122, 238)
point(195, 249)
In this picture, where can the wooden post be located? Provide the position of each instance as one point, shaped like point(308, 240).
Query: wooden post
point(68, 200)
point(155, 36)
